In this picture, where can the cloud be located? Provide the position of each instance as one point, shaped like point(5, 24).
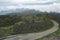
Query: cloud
point(48, 3)
point(42, 5)
point(27, 2)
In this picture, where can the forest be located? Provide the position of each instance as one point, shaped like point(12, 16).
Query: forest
point(6, 20)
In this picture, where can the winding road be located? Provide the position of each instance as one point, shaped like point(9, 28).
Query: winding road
point(33, 36)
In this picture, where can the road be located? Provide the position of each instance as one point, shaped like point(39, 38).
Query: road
point(33, 36)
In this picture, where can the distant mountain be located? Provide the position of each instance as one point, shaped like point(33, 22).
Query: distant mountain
point(20, 11)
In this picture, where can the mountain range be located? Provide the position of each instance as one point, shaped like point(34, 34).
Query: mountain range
point(16, 11)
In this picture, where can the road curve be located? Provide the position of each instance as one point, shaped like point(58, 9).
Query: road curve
point(33, 36)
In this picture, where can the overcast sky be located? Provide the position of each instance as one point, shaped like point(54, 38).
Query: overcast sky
point(42, 5)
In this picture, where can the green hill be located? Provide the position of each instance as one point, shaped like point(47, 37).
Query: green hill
point(19, 24)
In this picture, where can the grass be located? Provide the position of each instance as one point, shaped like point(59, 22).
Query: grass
point(5, 31)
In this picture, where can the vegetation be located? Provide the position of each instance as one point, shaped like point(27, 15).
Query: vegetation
point(32, 23)
point(50, 35)
point(56, 17)
point(18, 24)
point(7, 20)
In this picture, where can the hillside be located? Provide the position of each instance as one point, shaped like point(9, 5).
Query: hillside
point(19, 24)
point(55, 35)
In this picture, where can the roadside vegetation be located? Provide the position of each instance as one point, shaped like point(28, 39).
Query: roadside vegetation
point(50, 35)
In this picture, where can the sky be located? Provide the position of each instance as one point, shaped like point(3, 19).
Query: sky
point(42, 5)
